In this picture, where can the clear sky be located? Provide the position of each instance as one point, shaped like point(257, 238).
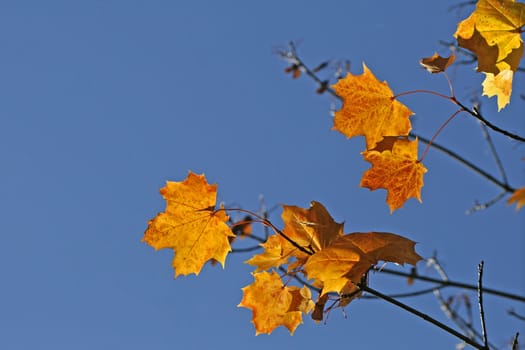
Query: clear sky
point(103, 101)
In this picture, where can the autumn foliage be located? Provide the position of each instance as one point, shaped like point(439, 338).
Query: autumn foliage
point(311, 248)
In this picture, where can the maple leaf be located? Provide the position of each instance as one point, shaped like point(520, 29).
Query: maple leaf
point(492, 32)
point(273, 255)
point(519, 197)
point(311, 229)
point(499, 85)
point(190, 225)
point(395, 167)
point(369, 109)
point(436, 63)
point(350, 256)
point(274, 304)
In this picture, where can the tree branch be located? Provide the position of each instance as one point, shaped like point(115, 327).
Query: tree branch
point(480, 303)
point(292, 56)
point(422, 315)
point(466, 163)
point(450, 283)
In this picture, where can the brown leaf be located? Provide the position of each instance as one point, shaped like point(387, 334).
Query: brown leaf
point(436, 63)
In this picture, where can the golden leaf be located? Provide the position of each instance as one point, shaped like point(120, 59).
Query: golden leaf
point(190, 225)
point(492, 32)
point(275, 305)
point(273, 255)
point(499, 85)
point(369, 109)
point(395, 167)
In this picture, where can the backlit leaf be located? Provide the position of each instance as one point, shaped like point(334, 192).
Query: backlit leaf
point(190, 225)
point(395, 167)
point(274, 304)
point(311, 229)
point(492, 32)
point(499, 85)
point(369, 109)
point(349, 257)
point(274, 254)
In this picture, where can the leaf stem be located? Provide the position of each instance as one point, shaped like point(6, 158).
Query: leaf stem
point(422, 91)
point(465, 162)
point(429, 143)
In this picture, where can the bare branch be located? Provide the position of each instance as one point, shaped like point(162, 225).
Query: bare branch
point(513, 313)
point(515, 342)
point(450, 283)
point(480, 303)
point(422, 315)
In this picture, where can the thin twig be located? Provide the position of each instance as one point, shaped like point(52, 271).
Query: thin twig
point(477, 114)
point(299, 279)
point(511, 312)
point(465, 325)
point(480, 303)
point(494, 152)
point(466, 163)
point(501, 169)
point(420, 314)
point(409, 294)
point(454, 284)
point(515, 341)
point(478, 207)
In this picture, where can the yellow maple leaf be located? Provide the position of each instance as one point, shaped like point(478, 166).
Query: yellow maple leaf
point(190, 225)
point(499, 85)
point(274, 304)
point(436, 63)
point(274, 254)
point(519, 197)
point(369, 109)
point(492, 32)
point(349, 257)
point(395, 167)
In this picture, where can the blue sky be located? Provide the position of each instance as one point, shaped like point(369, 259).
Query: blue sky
point(103, 101)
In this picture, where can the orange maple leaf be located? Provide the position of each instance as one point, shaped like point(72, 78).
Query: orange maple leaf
point(190, 225)
point(274, 304)
point(335, 262)
point(492, 32)
point(311, 229)
point(349, 257)
point(436, 63)
point(369, 109)
point(395, 167)
point(519, 197)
